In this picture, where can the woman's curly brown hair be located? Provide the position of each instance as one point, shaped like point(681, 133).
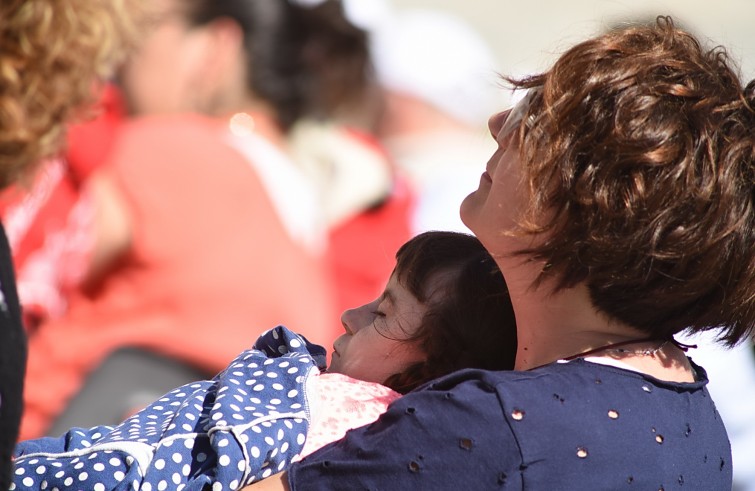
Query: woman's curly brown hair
point(469, 322)
point(639, 145)
point(52, 55)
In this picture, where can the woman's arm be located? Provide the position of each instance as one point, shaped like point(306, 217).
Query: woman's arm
point(278, 482)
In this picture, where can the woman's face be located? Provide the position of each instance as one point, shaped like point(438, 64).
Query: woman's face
point(494, 207)
point(373, 347)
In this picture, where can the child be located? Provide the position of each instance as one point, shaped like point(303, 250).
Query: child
point(445, 308)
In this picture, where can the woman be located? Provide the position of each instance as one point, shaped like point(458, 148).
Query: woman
point(619, 207)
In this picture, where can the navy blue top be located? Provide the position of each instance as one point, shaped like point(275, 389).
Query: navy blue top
point(575, 425)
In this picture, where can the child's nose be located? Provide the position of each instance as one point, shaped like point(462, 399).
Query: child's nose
point(354, 319)
point(348, 318)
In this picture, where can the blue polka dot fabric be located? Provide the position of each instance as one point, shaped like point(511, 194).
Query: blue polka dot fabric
point(245, 424)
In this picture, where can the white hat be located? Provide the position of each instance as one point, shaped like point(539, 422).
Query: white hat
point(436, 57)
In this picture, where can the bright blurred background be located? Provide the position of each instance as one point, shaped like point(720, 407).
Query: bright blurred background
point(527, 36)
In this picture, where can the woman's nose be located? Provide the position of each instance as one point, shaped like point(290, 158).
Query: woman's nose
point(496, 122)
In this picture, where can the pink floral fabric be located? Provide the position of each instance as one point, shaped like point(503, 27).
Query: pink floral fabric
point(340, 403)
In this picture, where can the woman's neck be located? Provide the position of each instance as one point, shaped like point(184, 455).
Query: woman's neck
point(552, 326)
point(565, 324)
point(562, 324)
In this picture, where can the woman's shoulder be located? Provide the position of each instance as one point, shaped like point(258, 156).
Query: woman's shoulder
point(572, 426)
point(571, 416)
point(578, 376)
point(580, 393)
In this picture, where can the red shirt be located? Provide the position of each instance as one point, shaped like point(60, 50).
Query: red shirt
point(210, 266)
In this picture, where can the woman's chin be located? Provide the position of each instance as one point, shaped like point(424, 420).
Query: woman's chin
point(468, 210)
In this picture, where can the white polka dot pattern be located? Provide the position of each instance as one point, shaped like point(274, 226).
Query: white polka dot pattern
point(247, 423)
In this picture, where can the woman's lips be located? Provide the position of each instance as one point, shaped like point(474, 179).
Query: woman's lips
point(486, 177)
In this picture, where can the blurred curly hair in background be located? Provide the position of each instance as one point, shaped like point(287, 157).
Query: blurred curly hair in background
point(52, 57)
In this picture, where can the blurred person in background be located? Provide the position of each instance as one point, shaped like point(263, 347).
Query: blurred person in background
point(366, 201)
point(49, 220)
point(365, 205)
point(52, 56)
point(204, 229)
point(439, 82)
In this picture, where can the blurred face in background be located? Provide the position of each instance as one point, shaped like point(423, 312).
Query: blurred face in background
point(164, 75)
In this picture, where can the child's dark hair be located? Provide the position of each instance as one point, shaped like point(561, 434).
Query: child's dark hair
point(469, 322)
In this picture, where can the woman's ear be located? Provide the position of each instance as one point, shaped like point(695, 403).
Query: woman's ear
point(221, 66)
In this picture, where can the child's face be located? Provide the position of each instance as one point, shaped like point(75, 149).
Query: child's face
point(373, 347)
